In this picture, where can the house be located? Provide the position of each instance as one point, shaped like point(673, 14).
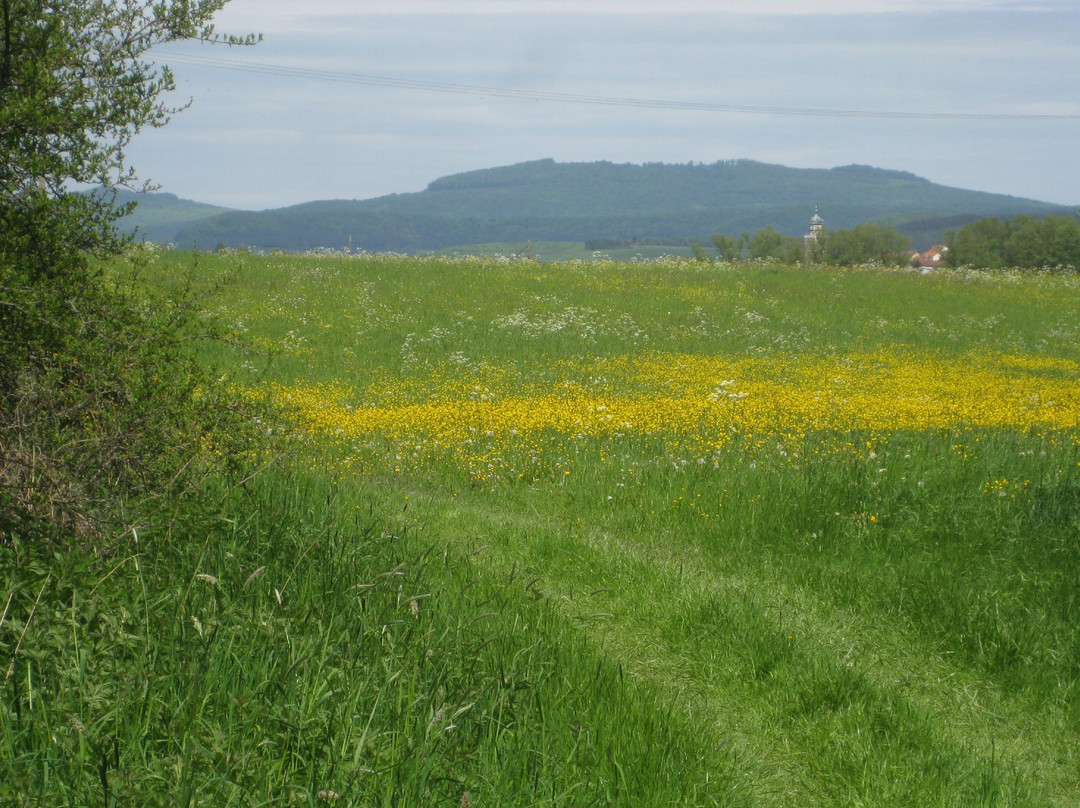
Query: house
point(932, 258)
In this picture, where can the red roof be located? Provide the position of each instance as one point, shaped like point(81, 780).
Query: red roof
point(934, 256)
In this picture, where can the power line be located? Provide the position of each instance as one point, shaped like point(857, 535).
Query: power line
point(596, 100)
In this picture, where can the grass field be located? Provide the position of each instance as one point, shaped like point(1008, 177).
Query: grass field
point(659, 533)
point(556, 251)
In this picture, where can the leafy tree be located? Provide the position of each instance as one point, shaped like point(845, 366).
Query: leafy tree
point(1025, 243)
point(766, 243)
point(1063, 241)
point(769, 244)
point(98, 399)
point(1037, 243)
point(1021, 241)
point(727, 248)
point(981, 244)
point(75, 87)
point(700, 253)
point(864, 243)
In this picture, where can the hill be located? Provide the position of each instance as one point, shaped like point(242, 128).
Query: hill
point(159, 216)
point(575, 202)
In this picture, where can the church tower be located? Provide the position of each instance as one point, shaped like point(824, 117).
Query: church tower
point(810, 240)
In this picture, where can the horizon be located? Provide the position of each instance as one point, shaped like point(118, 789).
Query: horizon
point(346, 103)
point(165, 191)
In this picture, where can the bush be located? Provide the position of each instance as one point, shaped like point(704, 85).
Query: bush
point(102, 404)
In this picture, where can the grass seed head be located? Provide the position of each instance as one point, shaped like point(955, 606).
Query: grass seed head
point(254, 576)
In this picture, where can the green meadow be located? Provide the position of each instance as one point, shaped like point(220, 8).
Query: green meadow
point(585, 533)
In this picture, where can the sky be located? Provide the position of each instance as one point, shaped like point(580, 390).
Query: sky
point(354, 99)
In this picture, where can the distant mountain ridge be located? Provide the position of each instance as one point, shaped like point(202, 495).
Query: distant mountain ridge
point(160, 216)
point(544, 200)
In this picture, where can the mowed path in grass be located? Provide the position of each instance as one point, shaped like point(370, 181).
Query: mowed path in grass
point(832, 516)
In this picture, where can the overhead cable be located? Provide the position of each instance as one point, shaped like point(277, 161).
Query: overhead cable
point(598, 100)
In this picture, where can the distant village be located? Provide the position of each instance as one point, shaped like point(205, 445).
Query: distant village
point(929, 260)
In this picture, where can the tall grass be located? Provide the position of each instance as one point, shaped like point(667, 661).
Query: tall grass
point(595, 533)
point(303, 648)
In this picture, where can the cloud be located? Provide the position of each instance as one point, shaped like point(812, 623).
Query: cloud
point(282, 15)
point(268, 137)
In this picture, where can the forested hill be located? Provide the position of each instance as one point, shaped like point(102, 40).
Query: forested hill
point(159, 217)
point(548, 201)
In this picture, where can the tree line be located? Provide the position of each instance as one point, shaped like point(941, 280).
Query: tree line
point(1023, 242)
point(865, 243)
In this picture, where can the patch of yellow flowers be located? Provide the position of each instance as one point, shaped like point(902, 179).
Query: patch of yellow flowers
point(697, 403)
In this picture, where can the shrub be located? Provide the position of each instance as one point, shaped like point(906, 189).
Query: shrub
point(100, 403)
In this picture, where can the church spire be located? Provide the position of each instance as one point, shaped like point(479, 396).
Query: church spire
point(810, 240)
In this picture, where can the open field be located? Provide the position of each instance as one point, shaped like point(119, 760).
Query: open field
point(599, 533)
point(553, 251)
point(835, 513)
